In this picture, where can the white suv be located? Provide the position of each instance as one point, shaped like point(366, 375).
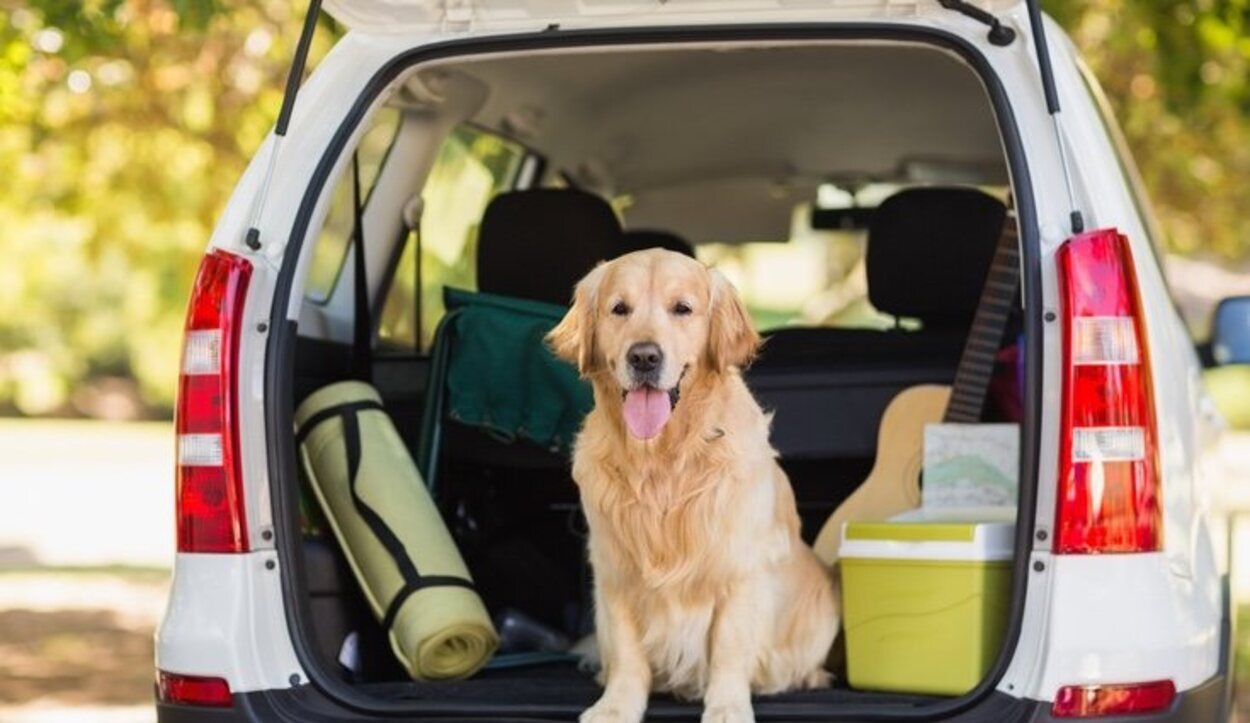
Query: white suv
point(735, 125)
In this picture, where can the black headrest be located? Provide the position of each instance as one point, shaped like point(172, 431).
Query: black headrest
point(929, 250)
point(642, 239)
point(537, 244)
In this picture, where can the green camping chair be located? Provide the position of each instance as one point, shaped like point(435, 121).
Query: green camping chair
point(490, 369)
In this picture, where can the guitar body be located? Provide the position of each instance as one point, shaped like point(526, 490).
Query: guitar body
point(893, 485)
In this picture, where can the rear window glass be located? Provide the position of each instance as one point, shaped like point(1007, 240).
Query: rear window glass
point(472, 166)
point(816, 277)
point(813, 279)
point(331, 248)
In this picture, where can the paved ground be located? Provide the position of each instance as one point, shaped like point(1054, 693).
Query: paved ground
point(77, 646)
point(86, 493)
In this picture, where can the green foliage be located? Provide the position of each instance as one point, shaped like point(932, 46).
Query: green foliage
point(1176, 74)
point(124, 125)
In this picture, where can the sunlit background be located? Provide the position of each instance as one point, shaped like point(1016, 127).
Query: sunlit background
point(124, 125)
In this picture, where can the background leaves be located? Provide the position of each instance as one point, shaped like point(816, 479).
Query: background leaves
point(1175, 73)
point(124, 125)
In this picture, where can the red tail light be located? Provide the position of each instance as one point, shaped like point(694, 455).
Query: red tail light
point(209, 493)
point(1092, 701)
point(192, 690)
point(1108, 466)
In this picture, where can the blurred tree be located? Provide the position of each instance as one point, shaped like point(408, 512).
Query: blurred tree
point(124, 125)
point(1175, 73)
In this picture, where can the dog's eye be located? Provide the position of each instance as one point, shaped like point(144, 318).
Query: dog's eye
point(681, 308)
point(620, 308)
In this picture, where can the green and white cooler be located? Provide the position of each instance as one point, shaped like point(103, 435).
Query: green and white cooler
point(925, 601)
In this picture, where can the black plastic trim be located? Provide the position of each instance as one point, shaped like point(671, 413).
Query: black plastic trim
point(171, 713)
point(999, 34)
point(296, 76)
point(279, 412)
point(1043, 56)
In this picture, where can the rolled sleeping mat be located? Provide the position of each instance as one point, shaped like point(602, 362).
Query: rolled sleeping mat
point(401, 552)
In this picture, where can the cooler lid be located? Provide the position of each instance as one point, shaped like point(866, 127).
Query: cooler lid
point(915, 536)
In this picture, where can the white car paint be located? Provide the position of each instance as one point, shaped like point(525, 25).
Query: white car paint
point(225, 620)
point(1088, 619)
point(1121, 618)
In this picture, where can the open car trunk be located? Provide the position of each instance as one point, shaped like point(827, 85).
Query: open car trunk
point(746, 144)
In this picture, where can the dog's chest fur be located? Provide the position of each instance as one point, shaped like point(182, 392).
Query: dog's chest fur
point(663, 518)
point(677, 523)
point(670, 536)
point(667, 519)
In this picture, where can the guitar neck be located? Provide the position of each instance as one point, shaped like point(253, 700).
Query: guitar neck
point(976, 363)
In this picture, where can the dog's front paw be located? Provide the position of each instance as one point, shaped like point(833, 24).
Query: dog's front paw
point(732, 713)
point(817, 679)
point(610, 712)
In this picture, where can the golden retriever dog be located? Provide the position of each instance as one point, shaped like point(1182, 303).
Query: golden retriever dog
point(703, 586)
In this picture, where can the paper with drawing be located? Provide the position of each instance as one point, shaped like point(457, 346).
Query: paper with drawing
point(970, 465)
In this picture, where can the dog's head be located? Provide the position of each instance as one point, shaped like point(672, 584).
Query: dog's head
point(648, 323)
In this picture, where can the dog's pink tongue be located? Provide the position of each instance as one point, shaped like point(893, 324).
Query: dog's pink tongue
point(646, 411)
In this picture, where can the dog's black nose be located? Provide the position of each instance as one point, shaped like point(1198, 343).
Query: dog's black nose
point(644, 357)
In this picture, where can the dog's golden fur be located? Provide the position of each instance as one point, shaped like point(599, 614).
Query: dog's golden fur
point(703, 586)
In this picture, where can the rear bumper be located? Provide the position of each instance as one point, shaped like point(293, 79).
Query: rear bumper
point(1205, 704)
point(1209, 702)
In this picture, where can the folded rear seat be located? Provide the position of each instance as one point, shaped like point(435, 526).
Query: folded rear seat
point(929, 250)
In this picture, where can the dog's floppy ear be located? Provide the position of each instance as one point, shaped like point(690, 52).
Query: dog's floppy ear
point(573, 339)
point(732, 339)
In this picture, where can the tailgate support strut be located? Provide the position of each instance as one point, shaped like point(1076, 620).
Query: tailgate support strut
point(1052, 106)
point(293, 79)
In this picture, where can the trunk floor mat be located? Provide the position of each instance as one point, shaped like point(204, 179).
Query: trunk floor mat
point(564, 685)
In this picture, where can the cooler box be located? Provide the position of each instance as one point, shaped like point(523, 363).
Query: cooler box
point(925, 603)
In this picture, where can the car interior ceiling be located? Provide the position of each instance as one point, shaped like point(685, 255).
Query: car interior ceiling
point(512, 507)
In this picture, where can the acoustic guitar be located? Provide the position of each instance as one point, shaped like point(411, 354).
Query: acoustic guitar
point(893, 485)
